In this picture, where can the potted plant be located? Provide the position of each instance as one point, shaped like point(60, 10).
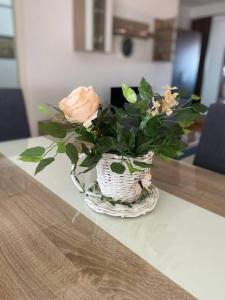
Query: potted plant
point(119, 142)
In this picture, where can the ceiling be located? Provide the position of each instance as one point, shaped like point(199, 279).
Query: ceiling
point(199, 2)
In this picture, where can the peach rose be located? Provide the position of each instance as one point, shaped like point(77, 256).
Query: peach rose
point(81, 105)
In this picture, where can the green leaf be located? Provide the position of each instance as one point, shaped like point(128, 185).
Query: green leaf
point(185, 123)
point(30, 159)
point(117, 168)
point(44, 163)
point(61, 147)
point(85, 149)
point(91, 160)
point(145, 90)
point(72, 153)
point(152, 127)
point(187, 115)
point(195, 97)
point(54, 129)
point(132, 140)
point(106, 143)
point(142, 164)
point(144, 121)
point(131, 168)
point(143, 148)
point(186, 131)
point(199, 107)
point(43, 109)
point(84, 135)
point(33, 152)
point(129, 93)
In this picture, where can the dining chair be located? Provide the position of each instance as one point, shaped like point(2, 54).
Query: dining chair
point(13, 118)
point(211, 150)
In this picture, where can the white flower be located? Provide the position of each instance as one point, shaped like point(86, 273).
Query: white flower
point(156, 104)
point(146, 181)
point(136, 189)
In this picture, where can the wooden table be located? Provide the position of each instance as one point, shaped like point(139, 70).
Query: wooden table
point(53, 247)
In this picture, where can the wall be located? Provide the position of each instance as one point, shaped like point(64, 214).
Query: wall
point(187, 13)
point(215, 54)
point(49, 66)
point(214, 61)
point(212, 9)
point(8, 67)
point(184, 18)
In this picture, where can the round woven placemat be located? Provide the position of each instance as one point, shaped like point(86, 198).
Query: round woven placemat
point(145, 204)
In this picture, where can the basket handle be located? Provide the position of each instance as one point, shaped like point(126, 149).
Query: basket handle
point(75, 178)
point(76, 181)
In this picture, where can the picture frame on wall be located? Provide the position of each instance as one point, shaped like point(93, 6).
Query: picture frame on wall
point(7, 47)
point(164, 40)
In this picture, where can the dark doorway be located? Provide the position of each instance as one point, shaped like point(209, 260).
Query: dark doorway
point(203, 26)
point(186, 63)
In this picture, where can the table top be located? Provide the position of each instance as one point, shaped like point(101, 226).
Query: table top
point(54, 247)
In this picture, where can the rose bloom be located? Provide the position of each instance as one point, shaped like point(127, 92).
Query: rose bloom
point(80, 106)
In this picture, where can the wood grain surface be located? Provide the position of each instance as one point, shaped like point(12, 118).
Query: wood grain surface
point(44, 255)
point(196, 185)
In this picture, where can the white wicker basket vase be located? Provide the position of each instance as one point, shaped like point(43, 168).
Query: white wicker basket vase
point(120, 186)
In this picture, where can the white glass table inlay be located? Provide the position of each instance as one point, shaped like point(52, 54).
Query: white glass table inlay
point(183, 241)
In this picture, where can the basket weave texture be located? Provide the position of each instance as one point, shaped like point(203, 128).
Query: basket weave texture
point(120, 186)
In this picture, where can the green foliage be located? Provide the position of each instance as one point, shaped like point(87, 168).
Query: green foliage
point(61, 147)
point(43, 109)
point(195, 97)
point(129, 93)
point(186, 115)
point(32, 154)
point(91, 160)
point(85, 149)
point(128, 132)
point(131, 168)
point(142, 164)
point(145, 90)
point(199, 108)
point(35, 151)
point(83, 134)
point(72, 153)
point(44, 163)
point(117, 168)
point(54, 129)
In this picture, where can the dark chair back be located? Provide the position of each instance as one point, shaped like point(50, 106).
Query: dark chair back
point(211, 149)
point(13, 118)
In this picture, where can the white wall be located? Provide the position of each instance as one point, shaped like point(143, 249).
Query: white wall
point(216, 47)
point(184, 18)
point(187, 13)
point(212, 9)
point(49, 66)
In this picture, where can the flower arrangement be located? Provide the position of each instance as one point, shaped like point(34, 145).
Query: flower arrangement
point(149, 122)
